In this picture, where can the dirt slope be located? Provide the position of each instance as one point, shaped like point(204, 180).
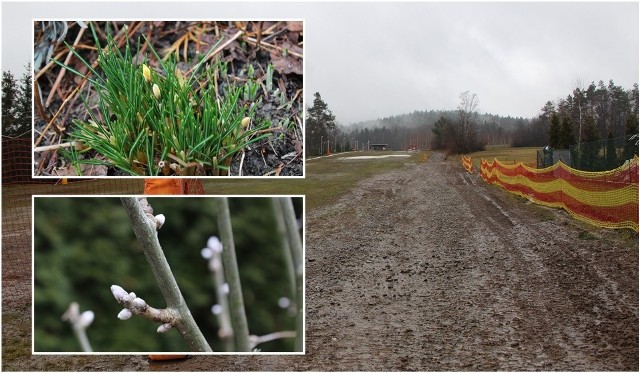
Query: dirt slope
point(429, 268)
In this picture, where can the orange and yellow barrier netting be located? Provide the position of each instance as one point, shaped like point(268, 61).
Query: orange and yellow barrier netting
point(606, 199)
point(467, 164)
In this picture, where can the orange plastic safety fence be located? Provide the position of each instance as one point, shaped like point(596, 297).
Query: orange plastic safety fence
point(467, 164)
point(606, 199)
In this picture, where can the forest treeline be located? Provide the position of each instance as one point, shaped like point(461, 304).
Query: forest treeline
point(597, 112)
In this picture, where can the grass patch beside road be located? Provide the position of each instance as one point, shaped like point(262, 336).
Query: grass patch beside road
point(326, 178)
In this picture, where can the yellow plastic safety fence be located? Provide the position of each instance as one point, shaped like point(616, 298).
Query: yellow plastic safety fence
point(467, 164)
point(606, 199)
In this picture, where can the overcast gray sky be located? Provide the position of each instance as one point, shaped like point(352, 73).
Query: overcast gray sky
point(375, 59)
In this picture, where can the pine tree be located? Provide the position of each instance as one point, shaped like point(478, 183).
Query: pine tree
point(590, 147)
point(9, 97)
point(554, 131)
point(631, 136)
point(567, 137)
point(611, 152)
point(23, 105)
point(320, 124)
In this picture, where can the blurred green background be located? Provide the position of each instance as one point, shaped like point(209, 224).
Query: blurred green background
point(83, 245)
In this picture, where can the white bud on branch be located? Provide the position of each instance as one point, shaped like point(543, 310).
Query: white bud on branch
point(216, 309)
point(214, 244)
point(159, 220)
point(139, 303)
point(164, 328)
point(86, 318)
point(119, 293)
point(206, 253)
point(125, 314)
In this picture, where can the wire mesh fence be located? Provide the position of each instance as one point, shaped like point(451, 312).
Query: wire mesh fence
point(17, 190)
point(600, 155)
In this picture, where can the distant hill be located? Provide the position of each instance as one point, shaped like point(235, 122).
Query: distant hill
point(401, 131)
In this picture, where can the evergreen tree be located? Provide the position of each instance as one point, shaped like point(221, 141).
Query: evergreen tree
point(23, 106)
point(554, 131)
point(320, 123)
point(631, 136)
point(611, 156)
point(9, 97)
point(590, 147)
point(567, 137)
point(440, 129)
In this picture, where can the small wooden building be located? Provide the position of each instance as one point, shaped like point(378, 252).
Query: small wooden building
point(379, 147)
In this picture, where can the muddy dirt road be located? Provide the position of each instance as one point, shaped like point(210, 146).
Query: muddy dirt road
point(429, 268)
point(432, 269)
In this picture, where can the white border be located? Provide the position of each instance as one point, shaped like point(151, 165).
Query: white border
point(304, 279)
point(250, 19)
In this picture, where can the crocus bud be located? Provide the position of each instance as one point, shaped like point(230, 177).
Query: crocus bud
point(156, 91)
point(125, 314)
point(146, 73)
point(245, 122)
point(180, 78)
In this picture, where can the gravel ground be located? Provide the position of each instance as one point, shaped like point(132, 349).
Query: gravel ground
point(430, 268)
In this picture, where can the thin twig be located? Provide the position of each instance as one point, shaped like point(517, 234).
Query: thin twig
point(230, 265)
point(80, 86)
point(147, 235)
point(282, 232)
point(241, 162)
point(64, 103)
point(217, 50)
point(295, 244)
point(225, 331)
point(253, 41)
point(256, 340)
point(39, 149)
point(55, 85)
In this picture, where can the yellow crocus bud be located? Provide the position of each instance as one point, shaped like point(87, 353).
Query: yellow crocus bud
point(245, 122)
point(146, 73)
point(156, 91)
point(180, 78)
